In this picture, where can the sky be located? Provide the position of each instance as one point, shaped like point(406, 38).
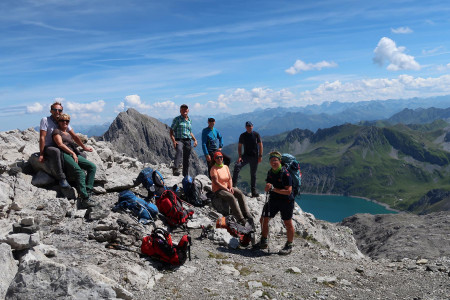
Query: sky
point(101, 57)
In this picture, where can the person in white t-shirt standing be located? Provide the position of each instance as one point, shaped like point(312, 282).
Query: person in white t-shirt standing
point(47, 148)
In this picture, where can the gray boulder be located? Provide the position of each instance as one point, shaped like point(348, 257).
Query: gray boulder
point(9, 268)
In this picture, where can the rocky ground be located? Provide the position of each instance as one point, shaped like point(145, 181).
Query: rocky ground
point(62, 253)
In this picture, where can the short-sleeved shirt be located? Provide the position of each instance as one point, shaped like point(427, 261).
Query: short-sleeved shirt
point(48, 125)
point(67, 140)
point(223, 176)
point(181, 127)
point(211, 140)
point(280, 180)
point(250, 142)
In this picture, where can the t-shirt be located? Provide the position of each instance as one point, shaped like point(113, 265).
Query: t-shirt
point(67, 140)
point(250, 142)
point(181, 127)
point(280, 180)
point(223, 177)
point(48, 124)
point(211, 140)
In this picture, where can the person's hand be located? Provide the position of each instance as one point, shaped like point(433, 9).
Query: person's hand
point(239, 160)
point(195, 143)
point(175, 143)
point(88, 149)
point(41, 158)
point(268, 187)
point(208, 157)
point(259, 159)
point(75, 157)
point(231, 190)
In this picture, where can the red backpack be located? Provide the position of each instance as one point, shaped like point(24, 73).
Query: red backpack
point(243, 233)
point(159, 245)
point(172, 208)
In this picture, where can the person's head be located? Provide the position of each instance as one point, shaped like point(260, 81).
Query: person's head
point(275, 159)
point(249, 126)
point(56, 109)
point(184, 110)
point(218, 157)
point(63, 121)
point(211, 122)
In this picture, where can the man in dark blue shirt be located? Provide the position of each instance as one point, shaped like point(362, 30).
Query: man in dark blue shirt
point(281, 199)
point(211, 143)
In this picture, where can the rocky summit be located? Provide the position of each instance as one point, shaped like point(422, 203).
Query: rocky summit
point(49, 249)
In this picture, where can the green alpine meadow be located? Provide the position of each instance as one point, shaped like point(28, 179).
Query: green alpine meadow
point(403, 166)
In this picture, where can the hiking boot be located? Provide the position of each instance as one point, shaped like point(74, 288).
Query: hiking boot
point(64, 184)
point(87, 202)
point(287, 249)
point(262, 244)
point(176, 171)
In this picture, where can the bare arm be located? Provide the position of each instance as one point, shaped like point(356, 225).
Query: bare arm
point(195, 140)
point(77, 140)
point(42, 135)
point(239, 152)
point(260, 152)
point(286, 191)
point(172, 137)
point(58, 140)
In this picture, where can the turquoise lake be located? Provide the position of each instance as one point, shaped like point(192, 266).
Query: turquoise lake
point(335, 208)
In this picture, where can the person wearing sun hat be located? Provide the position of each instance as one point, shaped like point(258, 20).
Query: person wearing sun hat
point(181, 136)
point(74, 162)
point(211, 142)
point(281, 199)
point(253, 151)
point(223, 189)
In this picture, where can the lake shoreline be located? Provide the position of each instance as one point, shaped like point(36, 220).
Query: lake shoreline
point(360, 197)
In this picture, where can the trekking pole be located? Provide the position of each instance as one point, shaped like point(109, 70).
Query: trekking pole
point(266, 209)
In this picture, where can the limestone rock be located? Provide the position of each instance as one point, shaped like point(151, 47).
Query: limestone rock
point(21, 241)
point(9, 268)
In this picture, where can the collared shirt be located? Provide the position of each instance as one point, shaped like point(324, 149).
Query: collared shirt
point(181, 127)
point(48, 124)
point(211, 140)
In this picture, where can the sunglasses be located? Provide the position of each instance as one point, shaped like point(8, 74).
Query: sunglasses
point(219, 157)
point(56, 109)
point(65, 121)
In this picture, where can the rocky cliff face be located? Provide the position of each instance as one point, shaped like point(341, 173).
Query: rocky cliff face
point(147, 139)
point(49, 249)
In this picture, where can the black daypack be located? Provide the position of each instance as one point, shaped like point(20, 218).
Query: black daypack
point(245, 233)
point(193, 192)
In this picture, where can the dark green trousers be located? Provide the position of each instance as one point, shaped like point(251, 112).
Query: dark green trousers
point(85, 182)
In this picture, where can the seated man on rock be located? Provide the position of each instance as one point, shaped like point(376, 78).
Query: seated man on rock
point(48, 150)
point(222, 186)
point(74, 162)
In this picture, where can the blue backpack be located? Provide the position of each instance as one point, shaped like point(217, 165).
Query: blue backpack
point(193, 191)
point(143, 210)
point(293, 167)
point(153, 182)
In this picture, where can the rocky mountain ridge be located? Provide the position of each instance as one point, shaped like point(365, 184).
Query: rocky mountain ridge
point(63, 254)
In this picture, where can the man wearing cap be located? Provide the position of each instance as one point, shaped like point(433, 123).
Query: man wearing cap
point(47, 148)
point(212, 142)
point(181, 135)
point(281, 199)
point(253, 151)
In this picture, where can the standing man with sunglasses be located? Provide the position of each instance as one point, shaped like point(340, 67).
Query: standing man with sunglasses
point(181, 136)
point(253, 152)
point(47, 148)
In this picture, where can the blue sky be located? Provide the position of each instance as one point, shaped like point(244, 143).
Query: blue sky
point(101, 57)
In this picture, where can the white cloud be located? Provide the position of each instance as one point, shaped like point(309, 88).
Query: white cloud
point(443, 68)
point(402, 30)
point(34, 108)
point(86, 108)
point(387, 50)
point(135, 102)
point(300, 65)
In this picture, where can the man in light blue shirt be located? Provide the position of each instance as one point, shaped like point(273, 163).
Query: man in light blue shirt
point(212, 142)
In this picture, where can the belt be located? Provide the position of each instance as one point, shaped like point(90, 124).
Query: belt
point(186, 139)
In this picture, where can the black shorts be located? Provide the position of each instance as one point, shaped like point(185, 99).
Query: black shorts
point(285, 207)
